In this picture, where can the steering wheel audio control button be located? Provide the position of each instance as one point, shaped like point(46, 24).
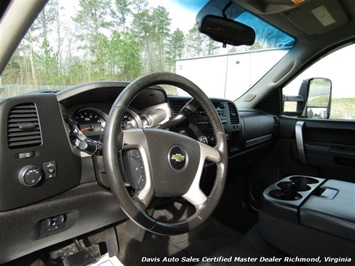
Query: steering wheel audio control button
point(135, 168)
point(30, 175)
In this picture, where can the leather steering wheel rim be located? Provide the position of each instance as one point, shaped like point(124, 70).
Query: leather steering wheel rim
point(115, 140)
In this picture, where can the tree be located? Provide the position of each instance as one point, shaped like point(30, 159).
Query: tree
point(93, 20)
point(93, 16)
point(175, 48)
point(139, 5)
point(123, 42)
point(130, 62)
point(28, 46)
point(160, 30)
point(194, 43)
point(211, 46)
point(141, 28)
point(45, 59)
point(119, 57)
point(152, 28)
point(59, 38)
point(13, 72)
point(121, 13)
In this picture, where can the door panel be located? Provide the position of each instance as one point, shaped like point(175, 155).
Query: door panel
point(329, 146)
point(329, 152)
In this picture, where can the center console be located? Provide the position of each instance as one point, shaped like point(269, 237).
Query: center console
point(309, 216)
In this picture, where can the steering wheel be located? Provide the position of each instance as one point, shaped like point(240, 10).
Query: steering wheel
point(172, 162)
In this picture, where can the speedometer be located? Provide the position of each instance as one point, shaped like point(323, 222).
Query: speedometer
point(91, 122)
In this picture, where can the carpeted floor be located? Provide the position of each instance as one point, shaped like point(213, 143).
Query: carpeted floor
point(203, 241)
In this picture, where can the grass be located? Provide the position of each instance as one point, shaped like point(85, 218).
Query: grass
point(341, 108)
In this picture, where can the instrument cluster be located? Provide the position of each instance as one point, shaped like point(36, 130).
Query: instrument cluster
point(92, 121)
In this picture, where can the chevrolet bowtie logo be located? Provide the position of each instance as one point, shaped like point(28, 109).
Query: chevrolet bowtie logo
point(178, 157)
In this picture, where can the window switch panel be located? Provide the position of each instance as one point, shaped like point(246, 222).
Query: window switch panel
point(52, 225)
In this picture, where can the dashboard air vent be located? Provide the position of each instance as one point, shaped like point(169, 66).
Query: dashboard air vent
point(233, 113)
point(23, 128)
point(177, 105)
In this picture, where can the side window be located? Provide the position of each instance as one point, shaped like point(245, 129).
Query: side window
point(326, 90)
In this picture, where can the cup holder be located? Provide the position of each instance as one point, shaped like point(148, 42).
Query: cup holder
point(288, 191)
point(292, 187)
point(289, 195)
point(304, 180)
point(298, 186)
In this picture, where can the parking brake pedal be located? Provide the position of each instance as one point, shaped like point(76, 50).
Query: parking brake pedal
point(83, 257)
point(78, 254)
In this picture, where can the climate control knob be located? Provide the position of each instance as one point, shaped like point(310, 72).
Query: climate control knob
point(30, 175)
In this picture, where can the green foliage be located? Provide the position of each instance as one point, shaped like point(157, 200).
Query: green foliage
point(194, 43)
point(121, 13)
point(199, 45)
point(342, 108)
point(320, 101)
point(175, 48)
point(103, 40)
point(121, 57)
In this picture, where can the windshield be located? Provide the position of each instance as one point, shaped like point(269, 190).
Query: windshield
point(74, 42)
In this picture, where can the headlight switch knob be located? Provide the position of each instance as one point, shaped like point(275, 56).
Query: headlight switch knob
point(30, 175)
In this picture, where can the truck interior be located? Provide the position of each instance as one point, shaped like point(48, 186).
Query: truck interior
point(177, 167)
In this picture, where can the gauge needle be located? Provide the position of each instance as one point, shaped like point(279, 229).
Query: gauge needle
point(90, 128)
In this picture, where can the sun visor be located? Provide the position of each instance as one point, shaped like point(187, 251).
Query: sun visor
point(266, 7)
point(317, 17)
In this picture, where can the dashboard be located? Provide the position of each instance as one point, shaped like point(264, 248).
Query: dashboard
point(88, 111)
point(66, 128)
point(88, 107)
point(46, 174)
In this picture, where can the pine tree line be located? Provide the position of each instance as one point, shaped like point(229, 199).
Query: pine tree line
point(103, 40)
point(111, 40)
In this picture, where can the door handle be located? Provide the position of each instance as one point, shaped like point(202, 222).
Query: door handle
point(299, 142)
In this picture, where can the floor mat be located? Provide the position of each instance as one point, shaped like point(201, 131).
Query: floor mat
point(203, 241)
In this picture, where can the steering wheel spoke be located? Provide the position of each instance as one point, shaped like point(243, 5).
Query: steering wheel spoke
point(136, 139)
point(195, 195)
point(209, 153)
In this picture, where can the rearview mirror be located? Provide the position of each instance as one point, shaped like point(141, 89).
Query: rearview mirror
point(226, 31)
